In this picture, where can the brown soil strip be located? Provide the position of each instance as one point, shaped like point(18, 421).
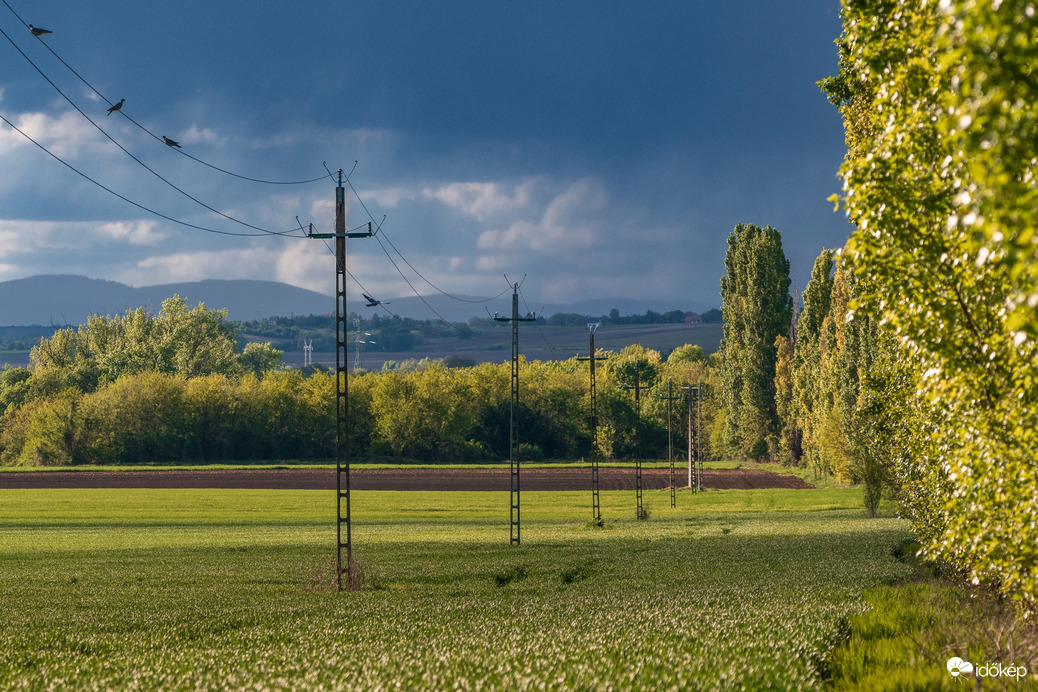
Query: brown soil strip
point(397, 479)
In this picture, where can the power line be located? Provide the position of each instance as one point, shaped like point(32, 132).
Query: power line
point(127, 151)
point(535, 324)
point(146, 130)
point(127, 199)
point(412, 267)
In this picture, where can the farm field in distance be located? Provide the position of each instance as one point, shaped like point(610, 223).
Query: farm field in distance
point(215, 588)
point(493, 345)
point(536, 342)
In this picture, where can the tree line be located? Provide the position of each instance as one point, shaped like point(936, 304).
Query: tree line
point(913, 365)
point(395, 333)
point(173, 387)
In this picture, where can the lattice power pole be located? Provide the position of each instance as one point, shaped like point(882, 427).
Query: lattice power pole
point(342, 420)
point(695, 442)
point(596, 508)
point(513, 427)
point(670, 439)
point(639, 508)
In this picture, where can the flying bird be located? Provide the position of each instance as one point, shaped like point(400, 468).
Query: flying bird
point(117, 106)
point(37, 31)
point(372, 302)
point(170, 143)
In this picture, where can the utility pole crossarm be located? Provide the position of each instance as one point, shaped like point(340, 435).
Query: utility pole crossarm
point(365, 231)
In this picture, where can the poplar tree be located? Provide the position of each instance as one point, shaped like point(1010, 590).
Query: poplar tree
point(939, 102)
point(808, 395)
point(756, 307)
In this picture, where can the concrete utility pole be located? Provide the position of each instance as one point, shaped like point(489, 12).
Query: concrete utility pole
point(513, 427)
point(342, 436)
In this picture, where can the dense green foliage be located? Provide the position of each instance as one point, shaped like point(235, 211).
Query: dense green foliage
point(217, 589)
point(939, 180)
point(837, 399)
point(757, 308)
point(428, 412)
point(179, 340)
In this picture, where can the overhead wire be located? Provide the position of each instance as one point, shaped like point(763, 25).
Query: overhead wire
point(129, 153)
point(123, 197)
point(412, 267)
point(158, 138)
point(261, 231)
point(378, 234)
point(535, 324)
point(389, 312)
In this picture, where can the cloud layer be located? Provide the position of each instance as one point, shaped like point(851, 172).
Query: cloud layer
point(599, 153)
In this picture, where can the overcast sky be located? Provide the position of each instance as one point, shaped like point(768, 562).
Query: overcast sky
point(598, 149)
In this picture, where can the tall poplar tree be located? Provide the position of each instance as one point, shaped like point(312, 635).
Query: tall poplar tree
point(939, 102)
point(807, 393)
point(756, 307)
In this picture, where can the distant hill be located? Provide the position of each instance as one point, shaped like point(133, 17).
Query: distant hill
point(61, 300)
point(68, 300)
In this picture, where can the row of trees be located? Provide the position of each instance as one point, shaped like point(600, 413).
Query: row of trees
point(798, 386)
point(914, 364)
point(939, 102)
point(169, 388)
point(403, 334)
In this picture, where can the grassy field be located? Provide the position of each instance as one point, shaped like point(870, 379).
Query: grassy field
point(186, 589)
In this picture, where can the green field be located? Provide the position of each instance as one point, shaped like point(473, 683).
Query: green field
point(185, 589)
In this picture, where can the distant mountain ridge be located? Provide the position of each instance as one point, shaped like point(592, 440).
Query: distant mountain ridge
point(64, 299)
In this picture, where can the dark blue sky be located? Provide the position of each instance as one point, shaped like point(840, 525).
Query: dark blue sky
point(600, 149)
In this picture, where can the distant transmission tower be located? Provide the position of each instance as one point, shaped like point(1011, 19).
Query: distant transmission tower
point(360, 346)
point(308, 352)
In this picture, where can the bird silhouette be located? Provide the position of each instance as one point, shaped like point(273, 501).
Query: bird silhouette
point(117, 106)
point(170, 143)
point(37, 31)
point(372, 302)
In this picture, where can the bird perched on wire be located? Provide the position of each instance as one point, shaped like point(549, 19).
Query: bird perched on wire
point(372, 302)
point(170, 143)
point(37, 31)
point(117, 106)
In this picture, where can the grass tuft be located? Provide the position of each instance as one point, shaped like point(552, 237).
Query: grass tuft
point(513, 575)
point(575, 574)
